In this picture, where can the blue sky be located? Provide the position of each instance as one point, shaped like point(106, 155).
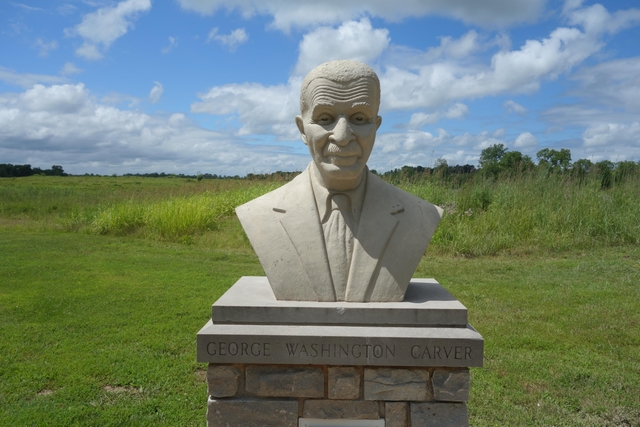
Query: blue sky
point(188, 86)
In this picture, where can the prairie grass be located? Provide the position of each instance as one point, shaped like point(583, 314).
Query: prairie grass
point(523, 214)
point(532, 213)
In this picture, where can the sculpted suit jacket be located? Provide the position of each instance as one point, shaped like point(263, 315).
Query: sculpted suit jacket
point(393, 233)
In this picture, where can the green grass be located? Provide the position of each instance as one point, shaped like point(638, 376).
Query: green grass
point(526, 214)
point(99, 329)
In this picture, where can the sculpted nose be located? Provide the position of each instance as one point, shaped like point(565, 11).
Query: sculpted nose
point(342, 133)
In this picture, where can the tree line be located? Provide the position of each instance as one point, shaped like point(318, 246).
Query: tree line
point(495, 162)
point(8, 170)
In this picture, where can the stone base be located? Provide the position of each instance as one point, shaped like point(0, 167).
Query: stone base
point(289, 363)
point(281, 396)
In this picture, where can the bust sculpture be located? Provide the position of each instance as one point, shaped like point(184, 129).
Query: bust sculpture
point(337, 232)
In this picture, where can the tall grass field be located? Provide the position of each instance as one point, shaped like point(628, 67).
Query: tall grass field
point(104, 282)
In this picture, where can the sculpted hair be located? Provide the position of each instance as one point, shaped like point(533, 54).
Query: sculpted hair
point(342, 71)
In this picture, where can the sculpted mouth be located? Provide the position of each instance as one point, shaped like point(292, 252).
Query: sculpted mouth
point(333, 150)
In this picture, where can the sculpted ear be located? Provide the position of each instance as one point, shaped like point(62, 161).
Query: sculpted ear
point(378, 122)
point(300, 124)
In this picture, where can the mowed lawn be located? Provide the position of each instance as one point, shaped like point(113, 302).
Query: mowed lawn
point(99, 330)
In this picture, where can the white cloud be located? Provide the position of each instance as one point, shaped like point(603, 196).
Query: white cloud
point(27, 79)
point(356, 40)
point(232, 40)
point(456, 111)
point(614, 83)
point(156, 92)
point(513, 107)
point(455, 48)
point(526, 139)
point(433, 84)
point(260, 109)
point(303, 14)
point(101, 28)
point(69, 69)
point(596, 19)
point(173, 43)
point(57, 99)
point(64, 124)
point(45, 47)
point(612, 133)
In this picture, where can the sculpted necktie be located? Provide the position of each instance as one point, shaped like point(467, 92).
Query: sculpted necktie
point(339, 239)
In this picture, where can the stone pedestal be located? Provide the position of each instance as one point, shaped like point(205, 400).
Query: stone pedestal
point(291, 363)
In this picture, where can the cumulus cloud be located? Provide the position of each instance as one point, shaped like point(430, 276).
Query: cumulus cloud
point(303, 14)
point(156, 92)
point(27, 79)
point(172, 45)
point(596, 19)
point(260, 109)
point(608, 133)
point(356, 40)
point(456, 111)
point(513, 107)
point(65, 124)
point(101, 28)
point(516, 71)
point(232, 40)
point(525, 140)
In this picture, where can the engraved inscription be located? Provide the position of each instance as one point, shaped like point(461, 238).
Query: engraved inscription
point(415, 352)
point(256, 349)
point(347, 351)
point(441, 352)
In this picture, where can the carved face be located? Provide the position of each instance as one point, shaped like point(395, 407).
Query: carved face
point(339, 127)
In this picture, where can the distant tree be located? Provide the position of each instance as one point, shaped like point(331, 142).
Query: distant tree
point(514, 162)
point(56, 170)
point(581, 168)
point(490, 159)
point(9, 170)
point(492, 154)
point(554, 160)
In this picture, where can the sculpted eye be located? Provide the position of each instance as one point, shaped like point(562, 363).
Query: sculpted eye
point(324, 119)
point(359, 119)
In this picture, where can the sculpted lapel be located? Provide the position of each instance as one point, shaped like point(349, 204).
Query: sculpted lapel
point(302, 224)
point(376, 227)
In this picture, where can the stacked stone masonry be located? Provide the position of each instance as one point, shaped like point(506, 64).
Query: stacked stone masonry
point(243, 395)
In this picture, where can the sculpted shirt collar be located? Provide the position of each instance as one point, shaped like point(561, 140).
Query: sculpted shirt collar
point(323, 196)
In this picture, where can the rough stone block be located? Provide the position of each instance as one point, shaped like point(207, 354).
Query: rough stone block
point(396, 414)
point(341, 409)
point(396, 384)
point(344, 383)
point(222, 380)
point(280, 381)
point(439, 414)
point(252, 413)
point(451, 386)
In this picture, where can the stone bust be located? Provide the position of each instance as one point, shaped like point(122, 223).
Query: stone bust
point(337, 232)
